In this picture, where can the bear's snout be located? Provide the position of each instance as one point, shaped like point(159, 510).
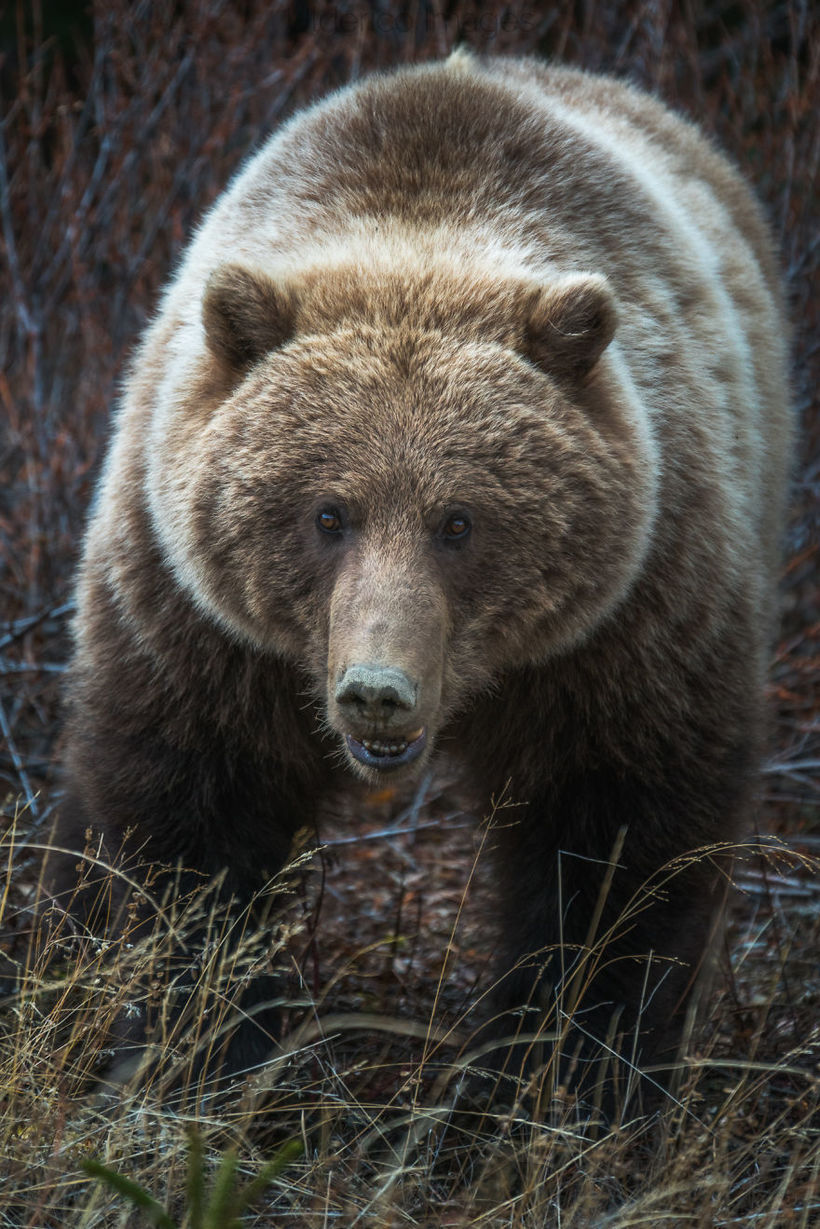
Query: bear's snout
point(380, 703)
point(386, 659)
point(377, 710)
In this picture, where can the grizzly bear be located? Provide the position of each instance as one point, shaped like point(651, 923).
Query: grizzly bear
point(461, 432)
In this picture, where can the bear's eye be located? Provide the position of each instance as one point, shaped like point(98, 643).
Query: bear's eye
point(329, 520)
point(456, 527)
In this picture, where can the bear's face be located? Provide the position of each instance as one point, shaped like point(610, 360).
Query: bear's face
point(406, 514)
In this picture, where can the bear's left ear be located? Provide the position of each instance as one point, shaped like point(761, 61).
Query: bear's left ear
point(569, 325)
point(246, 315)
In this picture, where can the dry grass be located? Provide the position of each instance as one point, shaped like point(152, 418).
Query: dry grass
point(377, 1039)
point(113, 141)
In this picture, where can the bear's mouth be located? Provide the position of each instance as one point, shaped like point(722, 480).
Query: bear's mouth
point(386, 753)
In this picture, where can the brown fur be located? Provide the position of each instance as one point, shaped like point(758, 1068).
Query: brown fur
point(490, 290)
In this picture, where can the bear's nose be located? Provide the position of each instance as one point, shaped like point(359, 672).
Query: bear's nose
point(375, 693)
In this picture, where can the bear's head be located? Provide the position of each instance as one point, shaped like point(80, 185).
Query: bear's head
point(405, 487)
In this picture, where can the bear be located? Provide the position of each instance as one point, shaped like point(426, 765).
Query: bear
point(461, 432)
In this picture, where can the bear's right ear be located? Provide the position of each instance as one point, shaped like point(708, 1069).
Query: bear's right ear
point(246, 315)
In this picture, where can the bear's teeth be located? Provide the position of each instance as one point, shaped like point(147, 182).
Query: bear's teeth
point(376, 747)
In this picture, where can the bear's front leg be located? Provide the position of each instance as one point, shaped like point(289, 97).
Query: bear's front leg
point(605, 912)
point(197, 817)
